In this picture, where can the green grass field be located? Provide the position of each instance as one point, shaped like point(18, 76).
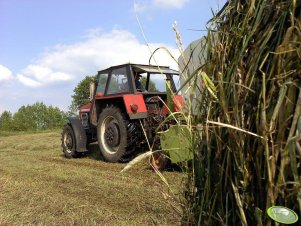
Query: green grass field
point(38, 186)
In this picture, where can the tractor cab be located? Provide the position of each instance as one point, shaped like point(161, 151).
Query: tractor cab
point(133, 78)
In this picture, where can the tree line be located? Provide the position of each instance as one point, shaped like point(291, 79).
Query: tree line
point(41, 117)
point(32, 118)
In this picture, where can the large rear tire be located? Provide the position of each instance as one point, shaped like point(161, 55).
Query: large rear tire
point(112, 134)
point(69, 142)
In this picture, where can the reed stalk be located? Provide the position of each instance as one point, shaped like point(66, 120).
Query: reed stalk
point(248, 156)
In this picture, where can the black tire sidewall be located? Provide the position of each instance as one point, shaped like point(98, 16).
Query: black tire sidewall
point(70, 153)
point(117, 115)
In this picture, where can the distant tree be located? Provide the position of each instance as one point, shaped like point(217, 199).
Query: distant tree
point(23, 120)
point(57, 117)
point(80, 94)
point(6, 119)
point(46, 117)
point(38, 117)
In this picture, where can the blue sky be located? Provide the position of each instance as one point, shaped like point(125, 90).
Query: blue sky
point(47, 47)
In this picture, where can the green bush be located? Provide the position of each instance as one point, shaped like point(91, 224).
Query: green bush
point(32, 118)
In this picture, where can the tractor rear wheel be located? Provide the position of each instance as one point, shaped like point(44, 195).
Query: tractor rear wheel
point(112, 134)
point(69, 142)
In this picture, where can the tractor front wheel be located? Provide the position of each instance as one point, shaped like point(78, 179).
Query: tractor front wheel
point(69, 142)
point(112, 134)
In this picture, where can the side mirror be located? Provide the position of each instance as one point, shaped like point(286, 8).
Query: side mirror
point(92, 91)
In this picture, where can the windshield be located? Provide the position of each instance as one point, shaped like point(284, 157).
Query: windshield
point(119, 81)
point(176, 80)
point(101, 82)
point(157, 82)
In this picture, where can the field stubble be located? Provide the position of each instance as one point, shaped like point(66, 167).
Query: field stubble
point(38, 186)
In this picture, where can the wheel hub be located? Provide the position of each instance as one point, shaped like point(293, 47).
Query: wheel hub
point(112, 135)
point(68, 141)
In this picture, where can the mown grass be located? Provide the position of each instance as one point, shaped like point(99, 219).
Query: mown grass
point(4, 133)
point(38, 186)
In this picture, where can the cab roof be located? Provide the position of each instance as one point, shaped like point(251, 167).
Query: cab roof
point(146, 68)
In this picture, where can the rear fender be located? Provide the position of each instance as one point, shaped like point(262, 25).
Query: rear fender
point(135, 106)
point(177, 105)
point(79, 133)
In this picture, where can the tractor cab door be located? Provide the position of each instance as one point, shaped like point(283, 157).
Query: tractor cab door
point(119, 81)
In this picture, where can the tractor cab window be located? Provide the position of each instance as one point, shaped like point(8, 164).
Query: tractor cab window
point(157, 83)
point(101, 83)
point(140, 81)
point(119, 81)
point(176, 80)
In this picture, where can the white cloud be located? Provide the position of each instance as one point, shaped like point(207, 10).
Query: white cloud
point(28, 81)
point(145, 7)
point(5, 73)
point(96, 52)
point(178, 4)
point(142, 6)
point(39, 75)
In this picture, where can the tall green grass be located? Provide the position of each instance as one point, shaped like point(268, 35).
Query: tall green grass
point(247, 157)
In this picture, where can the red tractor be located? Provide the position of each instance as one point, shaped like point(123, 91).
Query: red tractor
point(128, 103)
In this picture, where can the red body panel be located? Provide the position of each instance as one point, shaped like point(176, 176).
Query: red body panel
point(135, 104)
point(177, 105)
point(134, 99)
point(109, 97)
point(129, 99)
point(85, 108)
